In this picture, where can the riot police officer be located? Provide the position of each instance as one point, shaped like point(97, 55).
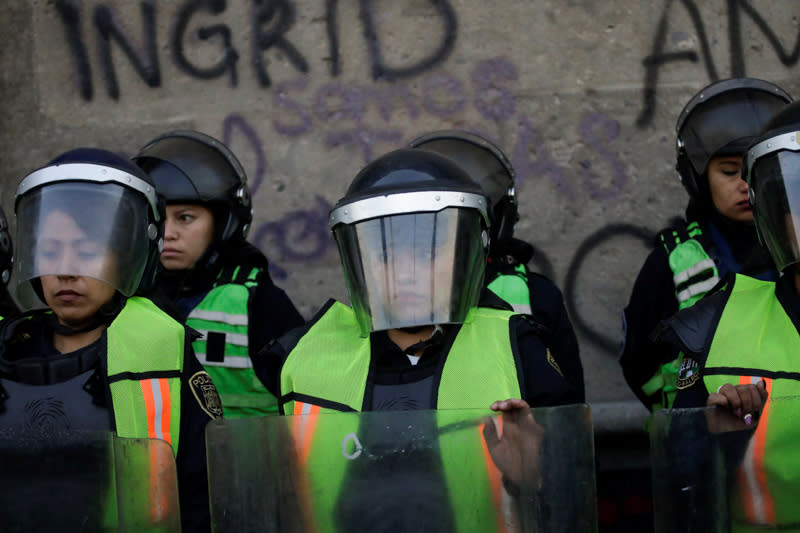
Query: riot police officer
point(717, 236)
point(219, 282)
point(413, 237)
point(89, 353)
point(739, 345)
point(507, 273)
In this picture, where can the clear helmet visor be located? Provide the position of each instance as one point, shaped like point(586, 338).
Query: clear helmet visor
point(100, 231)
point(775, 194)
point(406, 270)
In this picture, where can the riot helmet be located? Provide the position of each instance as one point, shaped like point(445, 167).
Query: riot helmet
point(486, 164)
point(6, 249)
point(88, 212)
point(722, 119)
point(772, 167)
point(195, 168)
point(412, 232)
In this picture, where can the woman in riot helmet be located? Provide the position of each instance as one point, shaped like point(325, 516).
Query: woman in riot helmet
point(218, 281)
point(413, 237)
point(89, 228)
point(716, 238)
point(507, 273)
point(738, 346)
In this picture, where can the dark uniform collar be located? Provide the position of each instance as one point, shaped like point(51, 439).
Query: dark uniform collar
point(28, 355)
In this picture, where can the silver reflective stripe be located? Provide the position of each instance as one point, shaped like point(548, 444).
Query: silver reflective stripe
point(405, 202)
point(219, 316)
point(230, 338)
point(231, 361)
point(697, 288)
point(158, 407)
point(705, 264)
point(524, 309)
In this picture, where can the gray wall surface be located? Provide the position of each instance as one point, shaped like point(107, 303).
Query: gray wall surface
point(582, 95)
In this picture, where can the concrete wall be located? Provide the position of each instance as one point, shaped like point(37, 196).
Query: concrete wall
point(582, 95)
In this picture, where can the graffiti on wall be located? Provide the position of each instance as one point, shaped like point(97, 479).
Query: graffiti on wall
point(363, 117)
point(734, 10)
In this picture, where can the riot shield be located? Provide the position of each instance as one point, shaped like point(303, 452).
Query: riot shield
point(86, 481)
point(714, 473)
point(396, 471)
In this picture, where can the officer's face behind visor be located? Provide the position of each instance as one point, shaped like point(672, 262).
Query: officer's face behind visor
point(413, 269)
point(79, 229)
point(774, 179)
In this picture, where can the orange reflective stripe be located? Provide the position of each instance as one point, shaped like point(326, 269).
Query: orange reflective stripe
point(758, 504)
point(495, 477)
point(304, 423)
point(156, 403)
point(149, 406)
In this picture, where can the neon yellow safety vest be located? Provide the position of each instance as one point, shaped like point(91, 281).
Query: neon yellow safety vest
point(222, 317)
point(145, 362)
point(331, 361)
point(327, 372)
point(756, 339)
point(513, 288)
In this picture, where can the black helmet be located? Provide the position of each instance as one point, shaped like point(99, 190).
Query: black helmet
point(104, 199)
point(722, 119)
point(191, 167)
point(6, 249)
point(412, 233)
point(772, 170)
point(486, 164)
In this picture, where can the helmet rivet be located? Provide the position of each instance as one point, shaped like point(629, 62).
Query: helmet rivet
point(345, 211)
point(438, 197)
point(769, 145)
point(462, 199)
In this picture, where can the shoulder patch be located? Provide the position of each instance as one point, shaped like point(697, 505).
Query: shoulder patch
point(688, 373)
point(553, 363)
point(205, 392)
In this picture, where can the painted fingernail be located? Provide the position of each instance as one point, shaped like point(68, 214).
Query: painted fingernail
point(748, 419)
point(738, 412)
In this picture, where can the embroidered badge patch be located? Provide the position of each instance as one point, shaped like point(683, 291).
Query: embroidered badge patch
point(688, 373)
point(206, 394)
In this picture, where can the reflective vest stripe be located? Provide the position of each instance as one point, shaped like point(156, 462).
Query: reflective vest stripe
point(219, 316)
point(304, 427)
point(236, 339)
point(157, 403)
point(230, 361)
point(304, 424)
point(758, 503)
point(706, 264)
point(495, 477)
point(698, 288)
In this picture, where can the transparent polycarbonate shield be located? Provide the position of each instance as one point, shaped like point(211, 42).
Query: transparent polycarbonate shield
point(100, 231)
point(775, 193)
point(713, 473)
point(399, 471)
point(413, 269)
point(729, 112)
point(86, 481)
